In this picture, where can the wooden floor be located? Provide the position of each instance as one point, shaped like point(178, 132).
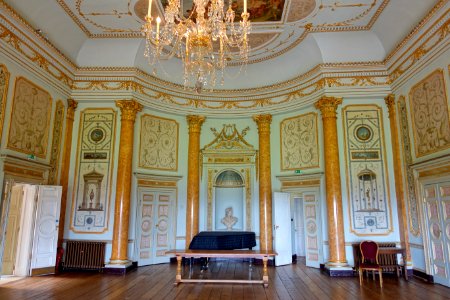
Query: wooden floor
point(156, 282)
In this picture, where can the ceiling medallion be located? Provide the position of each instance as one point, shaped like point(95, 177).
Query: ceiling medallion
point(204, 39)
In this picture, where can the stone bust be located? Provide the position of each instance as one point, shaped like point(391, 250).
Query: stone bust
point(229, 220)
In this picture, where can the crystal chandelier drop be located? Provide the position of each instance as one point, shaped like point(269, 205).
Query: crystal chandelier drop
point(205, 40)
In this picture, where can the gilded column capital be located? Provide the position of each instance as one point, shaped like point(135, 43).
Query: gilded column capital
point(328, 105)
point(129, 109)
point(263, 122)
point(195, 123)
point(71, 107)
point(390, 103)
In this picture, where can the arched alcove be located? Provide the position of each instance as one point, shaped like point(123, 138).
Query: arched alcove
point(229, 201)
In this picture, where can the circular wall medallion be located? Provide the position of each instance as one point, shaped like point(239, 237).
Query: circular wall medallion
point(363, 133)
point(370, 222)
point(97, 135)
point(89, 220)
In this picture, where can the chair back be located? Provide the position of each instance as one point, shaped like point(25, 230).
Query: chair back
point(369, 251)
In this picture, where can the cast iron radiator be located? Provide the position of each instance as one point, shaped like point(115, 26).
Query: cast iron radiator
point(388, 262)
point(84, 255)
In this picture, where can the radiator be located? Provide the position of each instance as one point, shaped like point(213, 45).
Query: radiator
point(84, 255)
point(388, 262)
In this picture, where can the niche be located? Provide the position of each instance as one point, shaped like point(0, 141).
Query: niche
point(229, 201)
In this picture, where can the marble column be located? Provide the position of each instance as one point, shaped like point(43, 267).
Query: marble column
point(265, 182)
point(399, 188)
point(65, 165)
point(129, 109)
point(336, 240)
point(193, 179)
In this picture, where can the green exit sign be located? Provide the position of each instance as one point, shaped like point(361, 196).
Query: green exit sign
point(298, 171)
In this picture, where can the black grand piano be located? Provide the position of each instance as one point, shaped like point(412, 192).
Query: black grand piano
point(222, 240)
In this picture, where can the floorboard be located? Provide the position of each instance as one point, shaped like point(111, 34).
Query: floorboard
point(157, 282)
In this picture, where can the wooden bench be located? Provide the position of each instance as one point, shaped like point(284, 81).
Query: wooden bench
point(264, 255)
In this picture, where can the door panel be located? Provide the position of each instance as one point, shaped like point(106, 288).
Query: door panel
point(282, 228)
point(12, 230)
point(311, 227)
point(155, 230)
point(437, 205)
point(46, 230)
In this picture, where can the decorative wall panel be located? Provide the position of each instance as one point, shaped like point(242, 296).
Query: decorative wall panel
point(413, 210)
point(4, 82)
point(429, 110)
point(367, 182)
point(95, 151)
point(158, 143)
point(299, 142)
point(30, 119)
point(56, 142)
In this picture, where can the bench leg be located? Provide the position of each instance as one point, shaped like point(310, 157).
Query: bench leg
point(178, 276)
point(265, 273)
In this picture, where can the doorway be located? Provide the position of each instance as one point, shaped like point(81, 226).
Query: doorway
point(306, 227)
point(436, 195)
point(298, 228)
point(30, 229)
point(155, 225)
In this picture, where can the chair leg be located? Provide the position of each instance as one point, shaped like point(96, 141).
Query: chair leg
point(380, 271)
point(360, 276)
point(373, 274)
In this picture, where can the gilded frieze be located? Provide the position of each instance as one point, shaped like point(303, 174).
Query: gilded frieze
point(413, 211)
point(299, 142)
point(30, 119)
point(158, 148)
point(94, 165)
point(4, 83)
point(367, 182)
point(34, 56)
point(430, 115)
point(428, 41)
point(56, 142)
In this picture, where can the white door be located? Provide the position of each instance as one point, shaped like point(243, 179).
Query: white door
point(282, 228)
point(312, 232)
point(155, 228)
point(24, 245)
point(12, 230)
point(437, 206)
point(45, 239)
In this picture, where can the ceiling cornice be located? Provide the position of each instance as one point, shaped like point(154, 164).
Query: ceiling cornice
point(17, 33)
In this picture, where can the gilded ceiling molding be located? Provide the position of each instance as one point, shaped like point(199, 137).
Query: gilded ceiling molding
point(416, 30)
point(345, 25)
point(434, 36)
point(258, 99)
point(30, 30)
point(147, 88)
point(34, 56)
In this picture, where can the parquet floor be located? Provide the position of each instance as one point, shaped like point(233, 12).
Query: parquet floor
point(156, 282)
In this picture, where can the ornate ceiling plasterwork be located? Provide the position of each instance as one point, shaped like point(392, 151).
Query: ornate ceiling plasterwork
point(87, 82)
point(287, 21)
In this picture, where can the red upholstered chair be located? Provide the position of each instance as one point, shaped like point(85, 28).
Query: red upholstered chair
point(369, 260)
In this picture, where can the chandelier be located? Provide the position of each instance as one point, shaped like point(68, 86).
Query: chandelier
point(205, 40)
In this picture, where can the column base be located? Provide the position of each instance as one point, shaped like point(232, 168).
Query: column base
point(120, 267)
point(337, 270)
